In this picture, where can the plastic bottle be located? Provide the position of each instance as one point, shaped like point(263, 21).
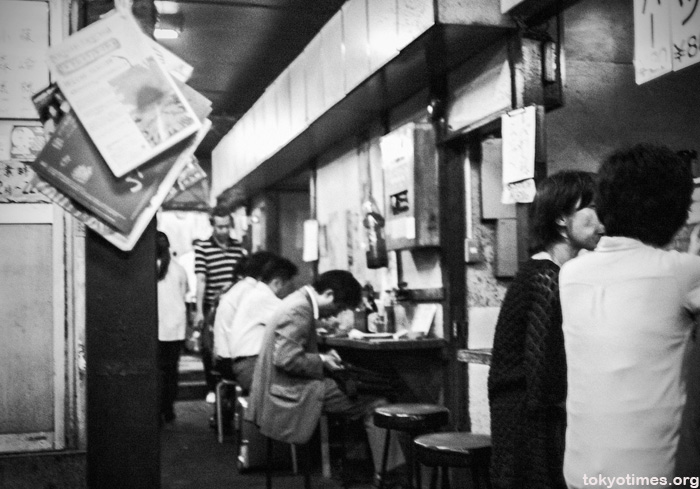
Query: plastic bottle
point(374, 222)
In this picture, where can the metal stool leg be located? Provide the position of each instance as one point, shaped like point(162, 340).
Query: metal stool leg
point(219, 422)
point(268, 465)
point(385, 459)
point(307, 466)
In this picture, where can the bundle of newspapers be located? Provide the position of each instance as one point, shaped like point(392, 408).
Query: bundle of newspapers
point(121, 128)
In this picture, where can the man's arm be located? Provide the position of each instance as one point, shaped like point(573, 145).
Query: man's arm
point(199, 315)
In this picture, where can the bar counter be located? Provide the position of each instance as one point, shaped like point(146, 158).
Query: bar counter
point(416, 364)
point(383, 344)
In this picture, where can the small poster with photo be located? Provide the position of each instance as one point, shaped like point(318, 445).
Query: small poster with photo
point(26, 142)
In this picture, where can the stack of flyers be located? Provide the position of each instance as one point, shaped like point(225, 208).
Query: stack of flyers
point(74, 171)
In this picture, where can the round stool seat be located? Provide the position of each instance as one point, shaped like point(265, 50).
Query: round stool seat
point(412, 417)
point(453, 449)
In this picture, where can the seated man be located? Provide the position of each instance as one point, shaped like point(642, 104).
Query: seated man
point(290, 388)
point(245, 333)
point(228, 306)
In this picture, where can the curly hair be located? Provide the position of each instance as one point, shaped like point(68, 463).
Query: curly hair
point(644, 192)
point(558, 195)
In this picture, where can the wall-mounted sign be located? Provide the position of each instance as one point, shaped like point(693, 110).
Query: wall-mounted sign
point(507, 5)
point(518, 129)
point(685, 28)
point(666, 37)
point(24, 40)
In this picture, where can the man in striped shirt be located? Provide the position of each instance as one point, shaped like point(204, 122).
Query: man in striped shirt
point(215, 263)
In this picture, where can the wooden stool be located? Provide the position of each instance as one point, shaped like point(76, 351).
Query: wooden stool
point(414, 419)
point(455, 449)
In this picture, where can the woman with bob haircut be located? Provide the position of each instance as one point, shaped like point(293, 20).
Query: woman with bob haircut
point(527, 379)
point(628, 312)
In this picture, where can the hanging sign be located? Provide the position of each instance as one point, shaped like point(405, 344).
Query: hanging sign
point(24, 40)
point(666, 37)
point(518, 129)
point(685, 28)
point(652, 39)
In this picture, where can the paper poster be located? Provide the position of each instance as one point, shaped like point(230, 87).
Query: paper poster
point(24, 40)
point(652, 39)
point(310, 240)
point(26, 142)
point(129, 105)
point(518, 129)
point(14, 183)
point(685, 29)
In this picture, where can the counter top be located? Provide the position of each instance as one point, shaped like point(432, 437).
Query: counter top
point(475, 355)
point(383, 344)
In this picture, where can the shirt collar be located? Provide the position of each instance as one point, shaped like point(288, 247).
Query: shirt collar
point(314, 300)
point(617, 243)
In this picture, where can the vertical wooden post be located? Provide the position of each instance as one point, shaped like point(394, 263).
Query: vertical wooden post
point(122, 375)
point(121, 337)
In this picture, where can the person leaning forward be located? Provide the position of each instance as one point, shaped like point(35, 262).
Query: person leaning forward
point(290, 389)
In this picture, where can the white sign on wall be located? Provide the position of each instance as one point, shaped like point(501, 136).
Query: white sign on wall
point(24, 39)
point(666, 37)
point(685, 28)
point(518, 129)
point(506, 5)
point(652, 39)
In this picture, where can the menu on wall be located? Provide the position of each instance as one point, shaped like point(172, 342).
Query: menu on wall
point(666, 37)
point(518, 129)
point(24, 40)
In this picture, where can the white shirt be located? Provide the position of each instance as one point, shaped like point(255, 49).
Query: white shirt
point(248, 328)
point(225, 312)
point(172, 314)
point(627, 317)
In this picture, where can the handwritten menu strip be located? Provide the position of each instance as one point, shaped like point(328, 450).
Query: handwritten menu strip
point(666, 37)
point(24, 40)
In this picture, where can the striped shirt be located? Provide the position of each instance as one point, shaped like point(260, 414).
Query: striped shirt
point(217, 264)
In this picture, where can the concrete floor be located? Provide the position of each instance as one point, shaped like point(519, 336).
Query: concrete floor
point(192, 458)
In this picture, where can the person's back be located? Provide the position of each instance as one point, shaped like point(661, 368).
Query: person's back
point(625, 339)
point(628, 311)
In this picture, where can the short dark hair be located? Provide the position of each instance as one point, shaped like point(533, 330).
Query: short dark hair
point(347, 291)
point(252, 266)
point(558, 195)
point(644, 192)
point(278, 267)
point(220, 211)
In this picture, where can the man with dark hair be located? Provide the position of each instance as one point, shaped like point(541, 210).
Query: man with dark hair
point(244, 334)
point(215, 263)
point(251, 269)
point(290, 388)
point(629, 310)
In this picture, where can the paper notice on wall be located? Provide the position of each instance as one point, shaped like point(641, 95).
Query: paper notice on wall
point(652, 39)
point(24, 40)
point(685, 29)
point(310, 240)
point(123, 96)
point(518, 129)
point(519, 192)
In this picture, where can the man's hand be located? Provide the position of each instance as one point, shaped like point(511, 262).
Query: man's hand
point(331, 360)
point(198, 320)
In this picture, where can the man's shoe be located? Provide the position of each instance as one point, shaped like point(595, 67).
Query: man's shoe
point(211, 397)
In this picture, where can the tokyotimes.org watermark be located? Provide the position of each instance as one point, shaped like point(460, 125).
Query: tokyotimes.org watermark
point(635, 480)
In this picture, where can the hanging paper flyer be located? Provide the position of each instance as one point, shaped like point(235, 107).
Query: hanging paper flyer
point(129, 105)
